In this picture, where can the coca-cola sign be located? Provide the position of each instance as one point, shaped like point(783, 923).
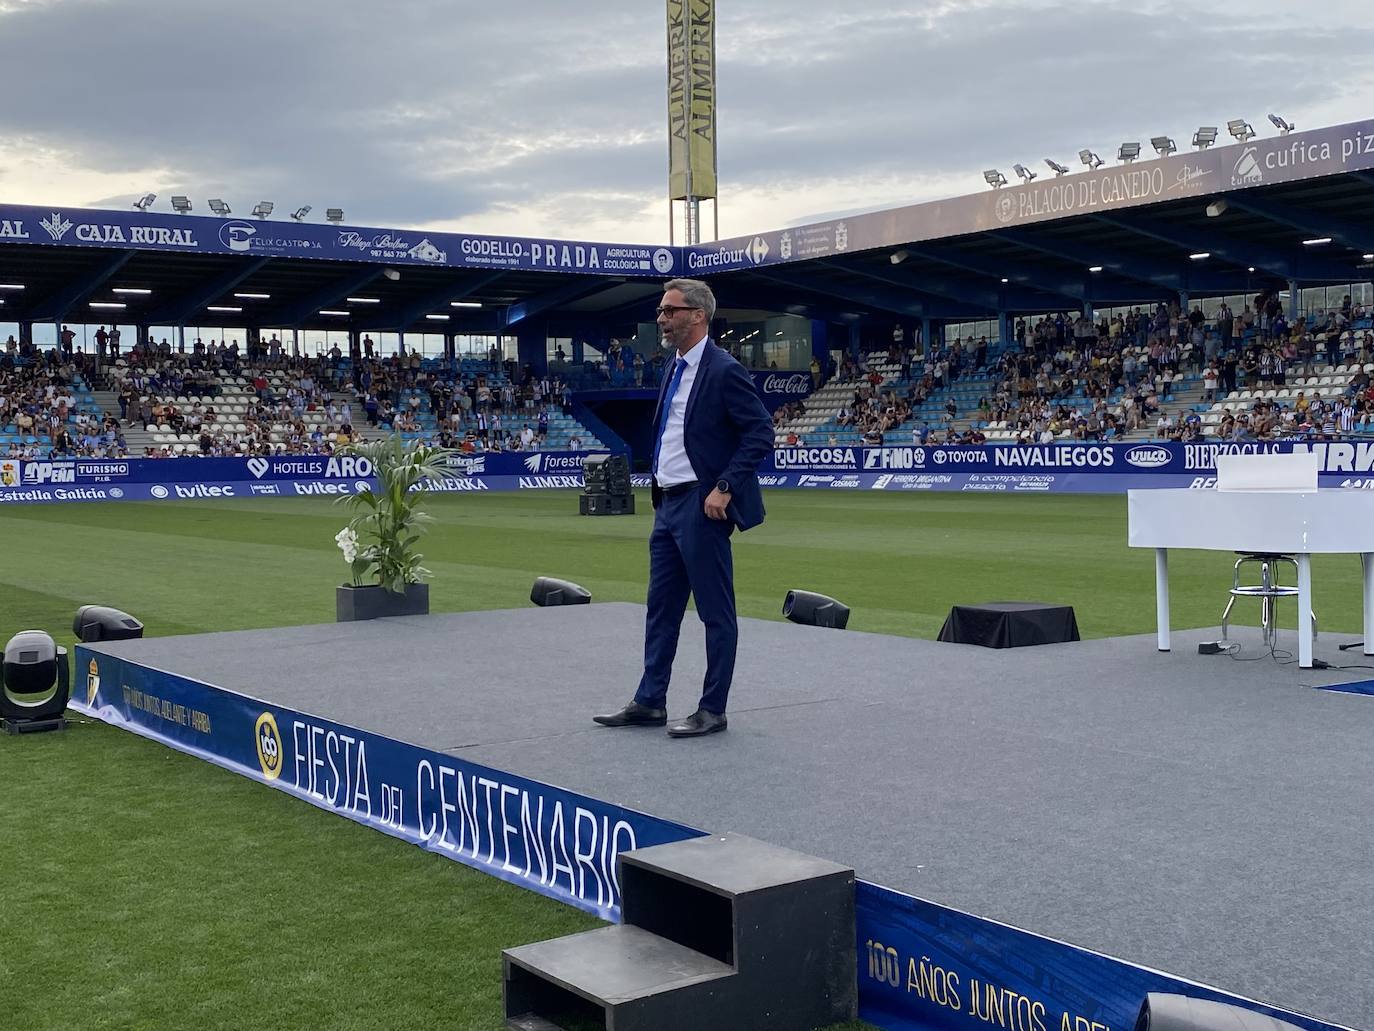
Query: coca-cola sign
point(795, 383)
point(778, 388)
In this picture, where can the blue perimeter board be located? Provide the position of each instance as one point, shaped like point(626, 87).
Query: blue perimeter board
point(1183, 813)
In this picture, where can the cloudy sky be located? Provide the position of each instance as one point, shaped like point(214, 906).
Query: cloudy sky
point(547, 117)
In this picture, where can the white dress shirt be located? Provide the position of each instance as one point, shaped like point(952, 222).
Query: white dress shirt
point(673, 464)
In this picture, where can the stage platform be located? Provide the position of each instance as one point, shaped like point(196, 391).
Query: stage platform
point(1196, 814)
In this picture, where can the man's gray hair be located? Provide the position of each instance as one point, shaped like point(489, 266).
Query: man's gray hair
point(695, 293)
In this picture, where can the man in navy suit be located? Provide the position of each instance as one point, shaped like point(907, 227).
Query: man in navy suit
point(711, 434)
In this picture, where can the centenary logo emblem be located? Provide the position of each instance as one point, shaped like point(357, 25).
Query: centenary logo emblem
point(663, 260)
point(92, 683)
point(1006, 207)
point(258, 467)
point(269, 746)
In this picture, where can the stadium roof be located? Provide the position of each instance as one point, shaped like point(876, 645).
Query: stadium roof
point(1235, 219)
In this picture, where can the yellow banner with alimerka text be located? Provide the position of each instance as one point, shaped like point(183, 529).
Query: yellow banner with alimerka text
point(691, 99)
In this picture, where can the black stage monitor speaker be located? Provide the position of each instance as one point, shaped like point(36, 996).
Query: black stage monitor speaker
point(36, 683)
point(1164, 1012)
point(102, 623)
point(548, 591)
point(811, 609)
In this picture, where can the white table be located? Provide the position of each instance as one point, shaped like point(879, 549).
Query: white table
point(1297, 523)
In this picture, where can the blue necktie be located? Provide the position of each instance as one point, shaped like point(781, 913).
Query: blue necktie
point(678, 366)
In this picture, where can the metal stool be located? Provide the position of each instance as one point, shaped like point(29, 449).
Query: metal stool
point(1268, 591)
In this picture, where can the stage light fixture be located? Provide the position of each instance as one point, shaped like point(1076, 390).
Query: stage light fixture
point(300, 213)
point(181, 205)
point(1128, 152)
point(606, 486)
point(145, 202)
point(549, 591)
point(1283, 125)
point(994, 178)
point(1056, 167)
point(1205, 136)
point(1090, 159)
point(897, 257)
point(103, 623)
point(1162, 1011)
point(1240, 129)
point(219, 207)
point(334, 215)
point(1163, 145)
point(1217, 208)
point(1025, 173)
point(36, 683)
point(811, 609)
point(262, 209)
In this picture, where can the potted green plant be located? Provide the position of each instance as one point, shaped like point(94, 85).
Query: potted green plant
point(380, 541)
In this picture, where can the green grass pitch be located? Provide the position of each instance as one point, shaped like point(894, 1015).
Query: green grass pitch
point(140, 888)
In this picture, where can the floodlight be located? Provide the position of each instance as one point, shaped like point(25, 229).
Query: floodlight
point(1056, 167)
point(102, 623)
point(1128, 152)
point(897, 257)
point(994, 178)
point(1240, 129)
point(1200, 255)
point(549, 591)
point(1024, 172)
point(1217, 208)
point(145, 202)
point(1205, 136)
point(1316, 241)
point(334, 215)
point(1094, 268)
point(1166, 1012)
point(811, 609)
point(181, 205)
point(1090, 159)
point(1163, 145)
point(1282, 124)
point(391, 274)
point(300, 213)
point(263, 209)
point(219, 207)
point(36, 683)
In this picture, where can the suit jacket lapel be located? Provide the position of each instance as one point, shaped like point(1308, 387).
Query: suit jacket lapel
point(703, 371)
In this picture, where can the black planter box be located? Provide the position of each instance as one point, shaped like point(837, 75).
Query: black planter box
point(371, 602)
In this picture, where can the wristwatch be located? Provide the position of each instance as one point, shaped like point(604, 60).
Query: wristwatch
point(723, 486)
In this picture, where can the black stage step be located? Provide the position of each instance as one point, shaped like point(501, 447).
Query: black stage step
point(719, 931)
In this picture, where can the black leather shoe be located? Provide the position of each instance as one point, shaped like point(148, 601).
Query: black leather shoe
point(699, 723)
point(633, 715)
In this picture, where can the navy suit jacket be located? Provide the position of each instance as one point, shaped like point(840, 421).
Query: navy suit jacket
point(727, 433)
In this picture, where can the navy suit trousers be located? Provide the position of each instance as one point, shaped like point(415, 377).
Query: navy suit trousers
point(689, 554)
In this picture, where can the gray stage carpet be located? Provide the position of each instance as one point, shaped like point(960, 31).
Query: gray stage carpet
point(1204, 816)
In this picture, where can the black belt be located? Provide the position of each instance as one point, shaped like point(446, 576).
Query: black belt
point(679, 488)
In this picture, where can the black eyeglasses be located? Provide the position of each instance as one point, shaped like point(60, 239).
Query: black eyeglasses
point(673, 309)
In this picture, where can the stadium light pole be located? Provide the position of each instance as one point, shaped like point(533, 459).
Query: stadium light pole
point(1240, 129)
point(1056, 167)
point(994, 178)
point(1205, 136)
point(1282, 124)
point(1090, 159)
point(1163, 145)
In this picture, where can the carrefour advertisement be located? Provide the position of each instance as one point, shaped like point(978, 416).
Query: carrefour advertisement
point(552, 841)
point(186, 479)
point(1232, 169)
point(1096, 468)
point(924, 966)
